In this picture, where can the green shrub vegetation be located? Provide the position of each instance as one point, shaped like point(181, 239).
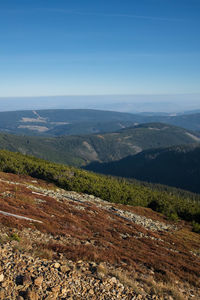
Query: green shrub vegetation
point(196, 227)
point(14, 237)
point(169, 202)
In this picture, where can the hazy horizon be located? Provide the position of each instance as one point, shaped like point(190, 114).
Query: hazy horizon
point(123, 103)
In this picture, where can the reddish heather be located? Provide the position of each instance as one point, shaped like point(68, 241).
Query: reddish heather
point(91, 233)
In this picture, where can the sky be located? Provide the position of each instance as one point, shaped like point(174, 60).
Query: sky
point(99, 47)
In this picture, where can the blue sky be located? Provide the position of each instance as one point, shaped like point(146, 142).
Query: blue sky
point(71, 47)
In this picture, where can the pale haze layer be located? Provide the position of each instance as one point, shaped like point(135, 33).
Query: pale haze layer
point(124, 103)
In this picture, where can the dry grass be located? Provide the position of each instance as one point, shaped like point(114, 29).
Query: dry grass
point(44, 254)
point(148, 284)
point(162, 289)
point(102, 270)
point(126, 279)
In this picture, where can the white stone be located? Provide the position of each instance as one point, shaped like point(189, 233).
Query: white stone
point(1, 277)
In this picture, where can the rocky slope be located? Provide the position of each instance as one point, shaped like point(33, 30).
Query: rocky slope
point(57, 244)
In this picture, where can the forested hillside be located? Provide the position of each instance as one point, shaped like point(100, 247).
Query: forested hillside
point(64, 121)
point(189, 121)
point(83, 149)
point(177, 166)
point(56, 122)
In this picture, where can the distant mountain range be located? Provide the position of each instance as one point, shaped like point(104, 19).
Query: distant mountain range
point(177, 166)
point(83, 149)
point(85, 121)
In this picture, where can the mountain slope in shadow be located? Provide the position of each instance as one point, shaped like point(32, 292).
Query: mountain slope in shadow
point(177, 166)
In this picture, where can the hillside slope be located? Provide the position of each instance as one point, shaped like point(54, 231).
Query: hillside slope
point(189, 121)
point(81, 150)
point(177, 166)
point(64, 121)
point(56, 122)
point(79, 244)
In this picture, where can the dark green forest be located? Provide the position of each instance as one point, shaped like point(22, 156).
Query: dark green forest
point(177, 166)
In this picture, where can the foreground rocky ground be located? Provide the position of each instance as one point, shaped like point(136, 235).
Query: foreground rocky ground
point(56, 244)
point(26, 277)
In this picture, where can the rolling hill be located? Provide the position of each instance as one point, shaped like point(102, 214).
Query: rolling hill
point(56, 122)
point(177, 166)
point(64, 121)
point(83, 149)
point(188, 121)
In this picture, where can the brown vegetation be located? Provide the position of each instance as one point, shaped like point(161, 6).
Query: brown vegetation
point(85, 231)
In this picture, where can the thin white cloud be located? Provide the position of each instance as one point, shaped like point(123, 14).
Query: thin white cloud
point(81, 13)
point(111, 15)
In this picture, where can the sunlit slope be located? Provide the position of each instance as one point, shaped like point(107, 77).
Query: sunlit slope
point(83, 149)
